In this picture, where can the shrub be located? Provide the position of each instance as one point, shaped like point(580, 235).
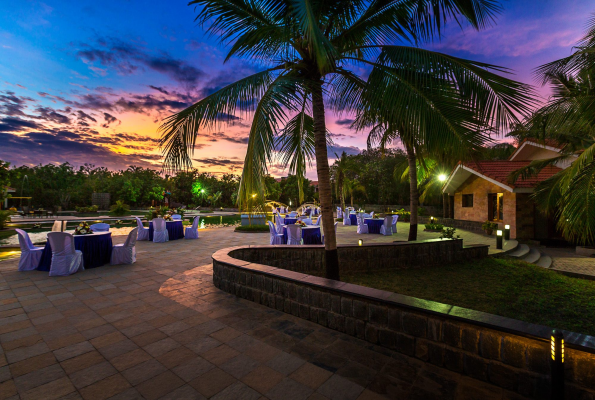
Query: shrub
point(87, 209)
point(448, 233)
point(421, 211)
point(4, 218)
point(120, 208)
point(205, 211)
point(434, 227)
point(404, 216)
point(489, 227)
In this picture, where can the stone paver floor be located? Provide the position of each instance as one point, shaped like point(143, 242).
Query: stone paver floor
point(160, 329)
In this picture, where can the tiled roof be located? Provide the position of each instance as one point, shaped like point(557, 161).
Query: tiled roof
point(547, 142)
point(500, 170)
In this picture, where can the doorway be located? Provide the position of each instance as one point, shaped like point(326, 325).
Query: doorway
point(496, 207)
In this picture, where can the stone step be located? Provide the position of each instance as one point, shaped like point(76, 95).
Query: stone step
point(545, 261)
point(510, 245)
point(521, 251)
point(533, 256)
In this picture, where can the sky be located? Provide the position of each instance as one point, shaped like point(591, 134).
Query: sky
point(90, 82)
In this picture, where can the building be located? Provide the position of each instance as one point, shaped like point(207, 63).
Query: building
point(7, 191)
point(481, 191)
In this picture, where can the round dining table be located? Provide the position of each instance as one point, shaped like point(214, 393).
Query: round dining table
point(310, 234)
point(374, 224)
point(175, 230)
point(289, 221)
point(96, 249)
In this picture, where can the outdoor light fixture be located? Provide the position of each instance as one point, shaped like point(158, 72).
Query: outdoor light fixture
point(202, 190)
point(360, 242)
point(499, 239)
point(557, 349)
point(441, 177)
point(506, 232)
point(254, 195)
point(431, 220)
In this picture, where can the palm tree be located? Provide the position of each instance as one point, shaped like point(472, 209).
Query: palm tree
point(312, 51)
point(351, 187)
point(568, 118)
point(341, 166)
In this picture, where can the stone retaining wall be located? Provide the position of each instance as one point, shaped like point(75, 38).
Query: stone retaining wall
point(508, 353)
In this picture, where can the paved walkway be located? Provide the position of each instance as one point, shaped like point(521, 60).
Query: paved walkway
point(160, 329)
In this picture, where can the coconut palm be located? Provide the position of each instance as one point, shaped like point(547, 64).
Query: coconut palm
point(338, 171)
point(316, 51)
point(351, 187)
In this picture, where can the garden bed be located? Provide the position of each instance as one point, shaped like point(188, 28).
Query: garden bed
point(252, 228)
point(496, 285)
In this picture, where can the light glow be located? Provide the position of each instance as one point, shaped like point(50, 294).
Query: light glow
point(441, 177)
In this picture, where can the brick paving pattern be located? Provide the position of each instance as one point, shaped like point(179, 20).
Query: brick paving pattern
point(159, 329)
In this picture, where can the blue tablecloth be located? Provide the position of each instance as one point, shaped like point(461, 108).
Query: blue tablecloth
point(289, 221)
point(310, 235)
point(96, 248)
point(373, 224)
point(353, 219)
point(175, 230)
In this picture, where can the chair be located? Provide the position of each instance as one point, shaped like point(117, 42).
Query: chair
point(30, 255)
point(66, 260)
point(57, 227)
point(276, 238)
point(318, 221)
point(279, 224)
point(176, 217)
point(361, 226)
point(160, 234)
point(336, 224)
point(143, 233)
point(125, 253)
point(346, 219)
point(294, 235)
point(386, 228)
point(292, 214)
point(394, 223)
point(372, 214)
point(101, 227)
point(307, 221)
point(191, 232)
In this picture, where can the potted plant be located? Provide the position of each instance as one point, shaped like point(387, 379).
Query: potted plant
point(489, 227)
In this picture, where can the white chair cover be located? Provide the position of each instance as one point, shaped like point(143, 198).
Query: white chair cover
point(361, 227)
point(394, 223)
point(101, 227)
point(191, 232)
point(176, 217)
point(279, 224)
point(294, 234)
point(125, 253)
point(318, 220)
point(346, 219)
point(372, 214)
point(30, 255)
point(160, 234)
point(57, 227)
point(276, 238)
point(65, 259)
point(386, 228)
point(292, 214)
point(307, 221)
point(143, 233)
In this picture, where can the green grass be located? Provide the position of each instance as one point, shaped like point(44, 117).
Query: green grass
point(4, 233)
point(252, 228)
point(496, 285)
point(205, 211)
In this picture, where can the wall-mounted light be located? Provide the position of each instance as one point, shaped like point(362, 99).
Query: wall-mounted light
point(557, 350)
point(360, 242)
point(506, 232)
point(499, 239)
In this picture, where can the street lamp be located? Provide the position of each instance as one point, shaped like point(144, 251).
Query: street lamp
point(441, 177)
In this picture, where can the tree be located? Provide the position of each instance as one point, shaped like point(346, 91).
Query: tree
point(351, 187)
point(313, 47)
point(4, 180)
point(568, 119)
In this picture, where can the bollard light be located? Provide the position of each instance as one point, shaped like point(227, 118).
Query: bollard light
point(499, 239)
point(506, 232)
point(431, 220)
point(557, 350)
point(360, 242)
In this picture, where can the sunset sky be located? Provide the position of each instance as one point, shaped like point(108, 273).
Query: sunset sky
point(88, 82)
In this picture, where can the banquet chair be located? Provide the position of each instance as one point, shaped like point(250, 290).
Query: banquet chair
point(160, 234)
point(372, 214)
point(57, 227)
point(276, 238)
point(346, 219)
point(294, 235)
point(143, 233)
point(101, 227)
point(292, 214)
point(386, 228)
point(30, 255)
point(307, 221)
point(279, 224)
point(336, 224)
point(394, 223)
point(66, 260)
point(361, 226)
point(318, 221)
point(125, 253)
point(176, 217)
point(191, 232)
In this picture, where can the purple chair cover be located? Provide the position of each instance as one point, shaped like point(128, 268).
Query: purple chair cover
point(175, 229)
point(97, 251)
point(309, 235)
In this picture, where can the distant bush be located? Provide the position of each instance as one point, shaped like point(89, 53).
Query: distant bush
point(4, 218)
point(434, 227)
point(205, 211)
point(404, 216)
point(119, 209)
point(87, 209)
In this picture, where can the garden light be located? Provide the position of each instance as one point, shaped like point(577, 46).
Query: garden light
point(431, 220)
point(441, 177)
point(506, 232)
point(499, 239)
point(360, 242)
point(557, 350)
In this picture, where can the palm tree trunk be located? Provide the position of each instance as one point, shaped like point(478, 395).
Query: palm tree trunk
point(413, 193)
point(324, 183)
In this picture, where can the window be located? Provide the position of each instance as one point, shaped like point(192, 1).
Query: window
point(468, 200)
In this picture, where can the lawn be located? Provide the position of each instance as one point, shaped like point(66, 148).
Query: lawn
point(496, 285)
